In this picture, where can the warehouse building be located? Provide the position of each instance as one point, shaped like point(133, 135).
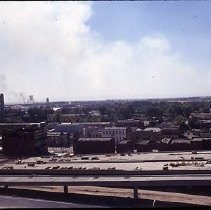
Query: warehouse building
point(94, 146)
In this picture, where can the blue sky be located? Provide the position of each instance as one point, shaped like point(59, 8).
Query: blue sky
point(104, 50)
point(185, 23)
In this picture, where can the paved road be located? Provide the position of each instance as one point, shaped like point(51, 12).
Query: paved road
point(111, 180)
point(20, 202)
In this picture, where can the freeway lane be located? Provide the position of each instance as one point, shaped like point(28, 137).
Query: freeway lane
point(20, 202)
point(112, 181)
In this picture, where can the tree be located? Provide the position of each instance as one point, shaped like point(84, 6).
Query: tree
point(125, 112)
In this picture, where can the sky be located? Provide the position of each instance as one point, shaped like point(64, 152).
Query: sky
point(104, 50)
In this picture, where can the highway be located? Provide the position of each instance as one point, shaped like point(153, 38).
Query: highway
point(131, 181)
point(20, 202)
point(93, 172)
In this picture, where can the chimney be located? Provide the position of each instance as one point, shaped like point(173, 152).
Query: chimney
point(1, 105)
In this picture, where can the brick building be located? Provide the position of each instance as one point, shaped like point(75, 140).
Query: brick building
point(94, 146)
point(207, 143)
point(144, 146)
point(163, 144)
point(205, 125)
point(171, 132)
point(179, 145)
point(124, 146)
point(9, 126)
point(197, 144)
point(147, 134)
point(24, 141)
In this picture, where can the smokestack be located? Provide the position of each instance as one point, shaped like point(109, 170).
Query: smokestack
point(47, 106)
point(47, 102)
point(1, 105)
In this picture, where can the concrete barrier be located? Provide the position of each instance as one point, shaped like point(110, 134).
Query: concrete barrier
point(97, 172)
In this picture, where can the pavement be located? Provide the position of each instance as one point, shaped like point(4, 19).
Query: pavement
point(143, 161)
point(20, 202)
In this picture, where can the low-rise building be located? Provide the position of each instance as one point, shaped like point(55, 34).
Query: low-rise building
point(57, 139)
point(179, 145)
point(207, 143)
point(205, 125)
point(163, 144)
point(118, 133)
point(144, 146)
point(92, 132)
point(124, 146)
point(94, 146)
point(147, 134)
point(201, 115)
point(171, 132)
point(197, 144)
point(24, 141)
point(70, 128)
point(9, 126)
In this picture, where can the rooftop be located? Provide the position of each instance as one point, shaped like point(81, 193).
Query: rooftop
point(94, 139)
point(124, 141)
point(115, 128)
point(165, 140)
point(154, 129)
point(175, 141)
point(143, 142)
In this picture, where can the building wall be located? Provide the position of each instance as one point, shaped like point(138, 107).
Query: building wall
point(125, 146)
point(179, 146)
point(75, 129)
point(144, 148)
point(94, 146)
point(147, 135)
point(20, 142)
point(196, 145)
point(207, 144)
point(56, 139)
point(92, 132)
point(118, 133)
point(79, 129)
point(173, 133)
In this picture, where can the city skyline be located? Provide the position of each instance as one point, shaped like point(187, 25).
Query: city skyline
point(104, 50)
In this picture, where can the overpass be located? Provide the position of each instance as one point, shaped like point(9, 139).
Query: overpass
point(127, 181)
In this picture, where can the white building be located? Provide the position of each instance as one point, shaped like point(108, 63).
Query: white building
point(118, 133)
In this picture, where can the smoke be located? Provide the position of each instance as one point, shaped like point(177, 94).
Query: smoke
point(10, 96)
point(23, 97)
